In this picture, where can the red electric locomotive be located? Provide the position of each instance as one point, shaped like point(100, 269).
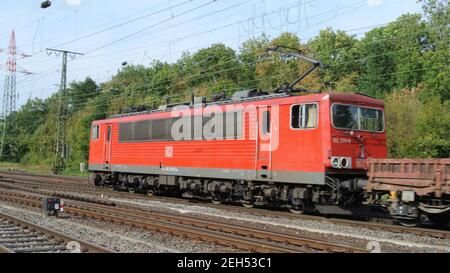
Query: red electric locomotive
point(297, 152)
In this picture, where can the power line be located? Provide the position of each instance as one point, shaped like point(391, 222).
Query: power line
point(124, 23)
point(187, 92)
point(18, 16)
point(394, 53)
point(218, 28)
point(209, 30)
point(94, 27)
point(152, 26)
point(239, 22)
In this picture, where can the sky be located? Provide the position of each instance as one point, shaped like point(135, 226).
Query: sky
point(109, 33)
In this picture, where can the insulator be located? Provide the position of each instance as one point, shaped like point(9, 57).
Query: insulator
point(46, 4)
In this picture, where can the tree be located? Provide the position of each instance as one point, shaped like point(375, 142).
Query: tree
point(392, 56)
point(274, 71)
point(79, 93)
point(417, 129)
point(437, 75)
point(214, 63)
point(338, 52)
point(250, 53)
point(21, 126)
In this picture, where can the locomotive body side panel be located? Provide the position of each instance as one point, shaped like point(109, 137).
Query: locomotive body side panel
point(296, 156)
point(303, 140)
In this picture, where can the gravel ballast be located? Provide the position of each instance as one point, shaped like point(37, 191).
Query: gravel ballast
point(121, 238)
point(319, 229)
point(322, 229)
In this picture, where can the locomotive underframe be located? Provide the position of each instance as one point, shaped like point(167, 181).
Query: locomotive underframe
point(345, 191)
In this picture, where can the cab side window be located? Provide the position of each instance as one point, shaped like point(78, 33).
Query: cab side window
point(266, 123)
point(304, 116)
point(95, 132)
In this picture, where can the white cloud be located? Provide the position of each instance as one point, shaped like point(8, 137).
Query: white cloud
point(73, 2)
point(373, 2)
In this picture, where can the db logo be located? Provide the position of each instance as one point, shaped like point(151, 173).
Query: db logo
point(73, 247)
point(374, 247)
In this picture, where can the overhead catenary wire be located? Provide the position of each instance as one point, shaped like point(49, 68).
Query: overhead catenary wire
point(151, 26)
point(89, 29)
point(187, 93)
point(384, 40)
point(185, 80)
point(122, 24)
point(171, 41)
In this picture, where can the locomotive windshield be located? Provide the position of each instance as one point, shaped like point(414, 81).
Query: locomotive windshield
point(350, 117)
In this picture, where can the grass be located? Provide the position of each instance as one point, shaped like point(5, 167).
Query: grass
point(38, 169)
point(31, 168)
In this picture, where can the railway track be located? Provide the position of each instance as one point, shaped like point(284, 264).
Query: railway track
point(20, 236)
point(218, 232)
point(58, 187)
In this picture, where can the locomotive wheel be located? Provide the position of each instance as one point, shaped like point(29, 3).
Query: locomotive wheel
point(248, 205)
point(297, 211)
point(98, 180)
point(408, 222)
point(216, 202)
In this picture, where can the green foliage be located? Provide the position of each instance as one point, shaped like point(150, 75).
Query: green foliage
point(20, 129)
point(417, 129)
point(404, 62)
point(337, 50)
point(79, 93)
point(437, 80)
point(250, 53)
point(394, 55)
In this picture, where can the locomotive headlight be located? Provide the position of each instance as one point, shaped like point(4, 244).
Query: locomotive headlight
point(341, 162)
point(335, 162)
point(345, 163)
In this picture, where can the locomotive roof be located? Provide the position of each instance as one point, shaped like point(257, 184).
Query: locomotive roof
point(353, 98)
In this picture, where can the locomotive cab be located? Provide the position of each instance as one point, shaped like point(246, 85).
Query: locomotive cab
point(357, 133)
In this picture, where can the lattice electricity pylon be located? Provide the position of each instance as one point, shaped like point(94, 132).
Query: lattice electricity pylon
point(61, 148)
point(9, 102)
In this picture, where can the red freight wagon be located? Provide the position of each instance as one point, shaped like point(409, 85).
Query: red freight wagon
point(280, 149)
point(411, 189)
